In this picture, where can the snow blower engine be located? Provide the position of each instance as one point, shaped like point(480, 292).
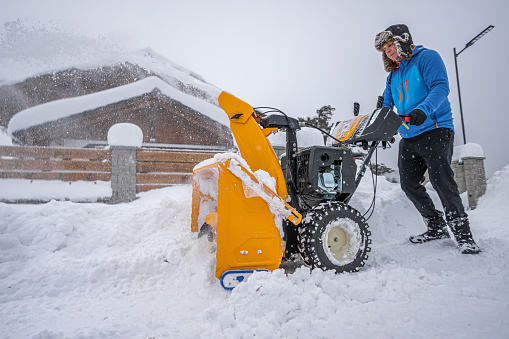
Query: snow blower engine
point(259, 210)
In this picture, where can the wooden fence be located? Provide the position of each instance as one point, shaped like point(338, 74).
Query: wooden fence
point(64, 164)
point(157, 169)
point(154, 168)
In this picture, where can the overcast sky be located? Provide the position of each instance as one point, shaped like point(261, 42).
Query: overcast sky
point(300, 55)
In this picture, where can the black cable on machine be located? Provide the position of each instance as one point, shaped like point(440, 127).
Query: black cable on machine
point(374, 179)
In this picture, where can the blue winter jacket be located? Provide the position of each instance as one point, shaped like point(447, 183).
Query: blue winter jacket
point(421, 83)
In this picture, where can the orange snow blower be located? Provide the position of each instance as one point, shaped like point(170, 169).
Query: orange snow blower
point(253, 205)
point(247, 235)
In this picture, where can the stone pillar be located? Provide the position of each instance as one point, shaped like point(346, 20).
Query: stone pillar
point(123, 174)
point(124, 140)
point(475, 179)
point(459, 175)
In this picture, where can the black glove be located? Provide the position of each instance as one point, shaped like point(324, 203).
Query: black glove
point(417, 117)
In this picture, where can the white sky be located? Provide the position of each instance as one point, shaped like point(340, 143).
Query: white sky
point(300, 55)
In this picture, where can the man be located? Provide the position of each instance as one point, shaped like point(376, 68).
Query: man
point(418, 86)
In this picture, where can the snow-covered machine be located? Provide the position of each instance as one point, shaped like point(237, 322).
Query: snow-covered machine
point(260, 210)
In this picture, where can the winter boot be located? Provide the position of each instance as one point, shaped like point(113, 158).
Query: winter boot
point(460, 227)
point(437, 229)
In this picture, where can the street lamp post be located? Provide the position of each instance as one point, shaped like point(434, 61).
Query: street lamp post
point(470, 43)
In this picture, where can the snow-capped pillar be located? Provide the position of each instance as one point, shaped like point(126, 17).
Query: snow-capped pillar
point(124, 140)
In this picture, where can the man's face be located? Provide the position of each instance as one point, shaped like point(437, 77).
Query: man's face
point(390, 51)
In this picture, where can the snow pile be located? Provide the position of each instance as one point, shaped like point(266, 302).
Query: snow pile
point(90, 262)
point(44, 190)
point(125, 134)
point(498, 191)
point(136, 271)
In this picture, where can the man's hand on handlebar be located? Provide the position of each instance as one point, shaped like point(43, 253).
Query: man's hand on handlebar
point(417, 117)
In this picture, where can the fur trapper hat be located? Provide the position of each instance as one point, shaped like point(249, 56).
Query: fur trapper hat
point(402, 40)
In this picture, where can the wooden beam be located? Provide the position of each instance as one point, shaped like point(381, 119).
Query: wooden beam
point(53, 152)
point(164, 178)
point(173, 156)
point(164, 167)
point(61, 176)
point(54, 165)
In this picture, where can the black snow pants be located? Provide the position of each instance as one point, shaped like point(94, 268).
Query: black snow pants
point(431, 150)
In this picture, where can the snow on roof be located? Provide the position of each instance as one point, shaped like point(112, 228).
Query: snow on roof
point(172, 73)
point(5, 140)
point(28, 51)
point(64, 108)
point(175, 75)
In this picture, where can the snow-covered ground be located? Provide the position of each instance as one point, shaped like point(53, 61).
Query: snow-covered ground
point(135, 270)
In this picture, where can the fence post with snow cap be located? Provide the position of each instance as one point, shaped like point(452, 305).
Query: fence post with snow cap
point(124, 140)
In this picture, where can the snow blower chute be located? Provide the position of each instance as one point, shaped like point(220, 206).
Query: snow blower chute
point(300, 210)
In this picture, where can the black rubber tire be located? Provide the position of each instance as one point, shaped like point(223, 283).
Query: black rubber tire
point(334, 236)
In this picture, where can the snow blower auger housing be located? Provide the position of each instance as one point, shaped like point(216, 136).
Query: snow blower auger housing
point(304, 209)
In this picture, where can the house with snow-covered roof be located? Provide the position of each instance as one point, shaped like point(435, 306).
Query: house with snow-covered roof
point(76, 107)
